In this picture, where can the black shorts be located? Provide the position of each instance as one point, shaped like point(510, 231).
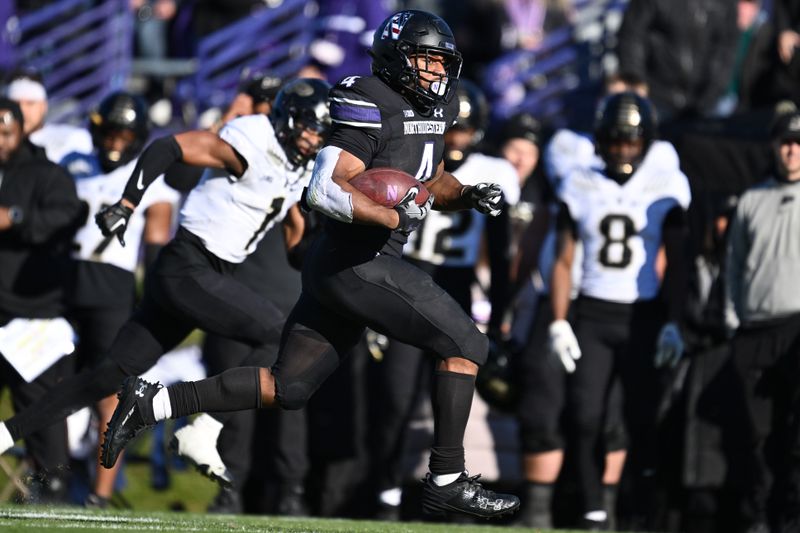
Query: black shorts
point(347, 289)
point(617, 342)
point(186, 288)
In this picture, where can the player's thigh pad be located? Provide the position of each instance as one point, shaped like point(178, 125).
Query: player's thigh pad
point(393, 297)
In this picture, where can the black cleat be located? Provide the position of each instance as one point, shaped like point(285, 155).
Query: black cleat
point(133, 415)
point(467, 496)
point(227, 501)
point(292, 501)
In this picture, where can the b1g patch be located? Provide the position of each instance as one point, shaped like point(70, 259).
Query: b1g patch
point(395, 26)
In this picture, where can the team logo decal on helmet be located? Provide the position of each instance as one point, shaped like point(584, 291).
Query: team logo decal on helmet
point(395, 27)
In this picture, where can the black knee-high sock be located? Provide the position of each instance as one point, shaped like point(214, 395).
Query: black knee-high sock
point(452, 400)
point(236, 389)
point(77, 391)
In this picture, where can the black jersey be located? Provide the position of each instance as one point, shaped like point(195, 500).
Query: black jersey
point(380, 127)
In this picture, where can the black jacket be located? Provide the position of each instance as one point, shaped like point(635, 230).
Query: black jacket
point(787, 15)
point(684, 49)
point(34, 253)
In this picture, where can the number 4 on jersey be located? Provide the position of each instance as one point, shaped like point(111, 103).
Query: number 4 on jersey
point(426, 166)
point(349, 81)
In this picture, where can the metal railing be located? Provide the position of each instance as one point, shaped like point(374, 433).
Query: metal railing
point(82, 50)
point(569, 58)
point(274, 39)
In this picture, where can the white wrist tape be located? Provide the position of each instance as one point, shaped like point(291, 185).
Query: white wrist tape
point(324, 194)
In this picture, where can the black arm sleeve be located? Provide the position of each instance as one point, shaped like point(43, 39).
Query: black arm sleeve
point(183, 177)
point(153, 162)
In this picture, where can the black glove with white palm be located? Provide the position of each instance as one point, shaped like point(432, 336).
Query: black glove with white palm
point(487, 198)
point(113, 220)
point(411, 214)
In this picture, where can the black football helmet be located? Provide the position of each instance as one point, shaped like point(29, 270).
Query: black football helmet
point(409, 34)
point(473, 109)
point(261, 87)
point(496, 382)
point(473, 115)
point(119, 111)
point(624, 116)
point(301, 104)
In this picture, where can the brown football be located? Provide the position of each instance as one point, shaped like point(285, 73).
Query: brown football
point(387, 186)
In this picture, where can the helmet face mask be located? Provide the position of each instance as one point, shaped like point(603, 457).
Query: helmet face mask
point(625, 128)
point(300, 114)
point(119, 127)
point(414, 52)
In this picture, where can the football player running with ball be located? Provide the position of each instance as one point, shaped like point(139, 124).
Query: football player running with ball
point(258, 168)
point(354, 276)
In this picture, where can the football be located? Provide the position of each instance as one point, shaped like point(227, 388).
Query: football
point(387, 186)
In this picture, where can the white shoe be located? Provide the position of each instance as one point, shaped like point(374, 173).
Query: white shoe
point(6, 442)
point(197, 443)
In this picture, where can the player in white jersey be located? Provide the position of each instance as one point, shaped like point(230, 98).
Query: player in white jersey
point(258, 167)
point(621, 213)
point(58, 140)
point(102, 288)
point(447, 245)
point(543, 378)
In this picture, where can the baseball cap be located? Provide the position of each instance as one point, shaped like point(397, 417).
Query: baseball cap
point(522, 125)
point(786, 127)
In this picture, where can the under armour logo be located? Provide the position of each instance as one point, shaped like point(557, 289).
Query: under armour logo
point(140, 390)
point(438, 112)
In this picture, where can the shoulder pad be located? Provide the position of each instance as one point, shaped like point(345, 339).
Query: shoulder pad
point(661, 157)
point(353, 102)
point(252, 136)
point(565, 151)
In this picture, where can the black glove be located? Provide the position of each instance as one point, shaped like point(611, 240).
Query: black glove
point(411, 214)
point(113, 220)
point(485, 197)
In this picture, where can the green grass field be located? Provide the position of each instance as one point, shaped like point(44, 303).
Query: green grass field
point(35, 518)
point(189, 492)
